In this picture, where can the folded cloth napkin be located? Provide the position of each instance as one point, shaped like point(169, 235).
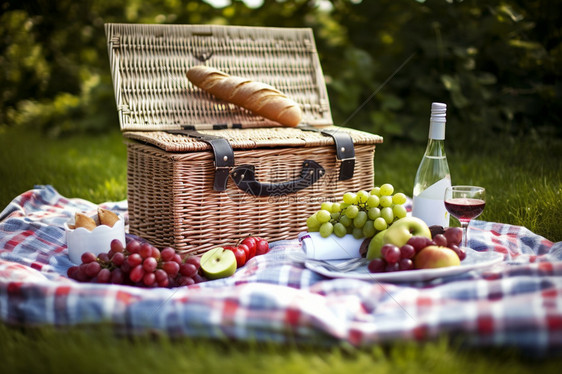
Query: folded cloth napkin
point(330, 248)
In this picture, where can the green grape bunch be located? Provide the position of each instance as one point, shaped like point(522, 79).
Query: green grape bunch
point(362, 214)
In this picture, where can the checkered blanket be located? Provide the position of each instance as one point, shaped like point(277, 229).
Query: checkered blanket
point(515, 303)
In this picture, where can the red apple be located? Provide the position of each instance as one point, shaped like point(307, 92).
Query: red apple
point(262, 247)
point(436, 257)
point(250, 242)
point(238, 253)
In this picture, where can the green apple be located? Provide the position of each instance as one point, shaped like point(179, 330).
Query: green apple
point(218, 263)
point(402, 230)
point(433, 256)
point(374, 250)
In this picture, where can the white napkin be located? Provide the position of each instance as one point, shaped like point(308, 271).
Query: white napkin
point(330, 248)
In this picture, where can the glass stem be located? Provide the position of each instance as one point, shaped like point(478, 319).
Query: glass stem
point(464, 226)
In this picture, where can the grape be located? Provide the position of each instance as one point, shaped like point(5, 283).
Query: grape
point(312, 223)
point(117, 276)
point(198, 278)
point(133, 246)
point(92, 269)
point(376, 265)
point(164, 282)
point(116, 246)
point(340, 230)
point(149, 264)
point(380, 224)
point(360, 219)
point(149, 279)
point(436, 229)
point(387, 214)
point(326, 205)
point(160, 275)
point(188, 270)
point(167, 254)
point(177, 259)
point(185, 281)
point(386, 189)
point(399, 211)
point(103, 258)
point(369, 229)
point(336, 207)
point(440, 240)
point(118, 258)
point(362, 196)
point(134, 259)
point(376, 191)
point(336, 216)
point(453, 235)
point(195, 260)
point(419, 242)
point(156, 253)
point(405, 264)
point(385, 201)
point(171, 268)
point(351, 211)
point(72, 271)
point(374, 213)
point(407, 251)
point(349, 198)
point(399, 198)
point(373, 201)
point(323, 216)
point(104, 276)
point(88, 257)
point(326, 229)
point(390, 267)
point(390, 253)
point(346, 221)
point(145, 250)
point(136, 273)
point(357, 233)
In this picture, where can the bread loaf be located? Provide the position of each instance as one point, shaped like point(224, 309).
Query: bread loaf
point(259, 98)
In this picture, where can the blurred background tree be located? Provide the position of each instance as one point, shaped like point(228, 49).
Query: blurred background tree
point(497, 64)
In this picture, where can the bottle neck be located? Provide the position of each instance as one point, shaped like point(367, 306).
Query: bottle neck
point(435, 148)
point(437, 129)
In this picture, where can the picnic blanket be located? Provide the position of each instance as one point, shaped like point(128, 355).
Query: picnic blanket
point(515, 303)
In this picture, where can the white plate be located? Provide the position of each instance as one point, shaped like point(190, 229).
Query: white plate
point(474, 260)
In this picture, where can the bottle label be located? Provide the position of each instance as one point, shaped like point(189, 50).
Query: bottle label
point(429, 205)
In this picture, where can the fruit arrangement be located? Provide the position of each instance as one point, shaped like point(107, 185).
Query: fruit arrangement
point(142, 264)
point(410, 244)
point(362, 214)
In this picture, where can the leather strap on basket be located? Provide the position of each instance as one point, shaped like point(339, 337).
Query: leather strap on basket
point(224, 155)
point(345, 150)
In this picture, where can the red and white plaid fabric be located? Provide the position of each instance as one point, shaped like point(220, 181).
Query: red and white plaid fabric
point(515, 303)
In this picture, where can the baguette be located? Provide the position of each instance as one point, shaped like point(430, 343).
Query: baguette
point(259, 98)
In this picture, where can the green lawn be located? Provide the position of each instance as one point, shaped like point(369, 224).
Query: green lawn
point(524, 182)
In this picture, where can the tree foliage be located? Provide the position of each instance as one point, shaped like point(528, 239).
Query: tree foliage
point(495, 63)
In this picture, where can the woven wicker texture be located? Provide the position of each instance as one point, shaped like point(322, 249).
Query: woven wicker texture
point(250, 138)
point(172, 202)
point(149, 65)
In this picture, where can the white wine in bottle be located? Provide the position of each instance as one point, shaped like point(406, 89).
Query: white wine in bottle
point(433, 176)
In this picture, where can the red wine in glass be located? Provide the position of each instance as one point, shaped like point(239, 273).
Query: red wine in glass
point(465, 209)
point(465, 203)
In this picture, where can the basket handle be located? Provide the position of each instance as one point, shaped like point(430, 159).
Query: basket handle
point(245, 178)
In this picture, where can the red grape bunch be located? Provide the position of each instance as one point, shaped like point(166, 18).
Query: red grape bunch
point(138, 264)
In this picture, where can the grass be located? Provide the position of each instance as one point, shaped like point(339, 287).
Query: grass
point(524, 182)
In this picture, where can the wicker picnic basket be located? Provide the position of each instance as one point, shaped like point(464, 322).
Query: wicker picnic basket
point(203, 172)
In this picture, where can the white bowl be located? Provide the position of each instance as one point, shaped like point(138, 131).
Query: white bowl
point(97, 241)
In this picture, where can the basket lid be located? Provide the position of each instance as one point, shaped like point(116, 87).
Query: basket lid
point(149, 65)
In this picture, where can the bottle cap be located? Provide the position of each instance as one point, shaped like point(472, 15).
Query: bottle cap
point(438, 112)
point(437, 121)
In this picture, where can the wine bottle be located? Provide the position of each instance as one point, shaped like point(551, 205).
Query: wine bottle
point(433, 176)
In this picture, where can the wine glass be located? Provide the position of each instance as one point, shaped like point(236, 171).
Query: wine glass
point(465, 203)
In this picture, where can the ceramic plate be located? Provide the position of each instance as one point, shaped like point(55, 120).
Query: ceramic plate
point(474, 260)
